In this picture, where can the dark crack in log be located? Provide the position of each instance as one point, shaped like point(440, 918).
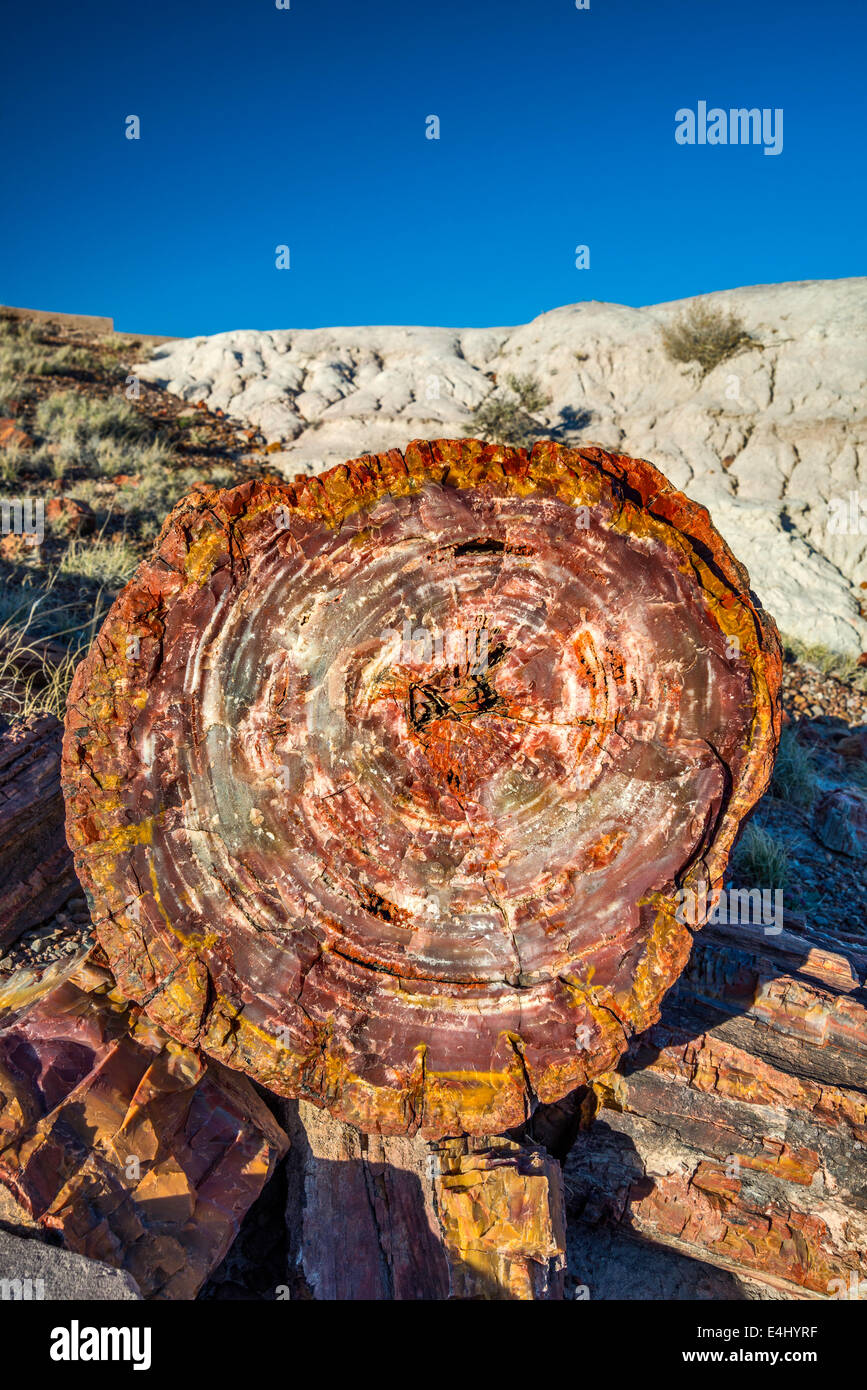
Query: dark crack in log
point(383, 783)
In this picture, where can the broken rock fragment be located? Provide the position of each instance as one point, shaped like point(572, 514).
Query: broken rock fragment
point(733, 1131)
point(390, 1217)
point(31, 1272)
point(138, 1152)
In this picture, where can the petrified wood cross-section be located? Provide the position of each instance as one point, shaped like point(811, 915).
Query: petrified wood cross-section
point(383, 782)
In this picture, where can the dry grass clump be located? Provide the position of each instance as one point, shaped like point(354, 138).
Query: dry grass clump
point(760, 859)
point(794, 776)
point(97, 435)
point(842, 666)
point(36, 670)
point(108, 561)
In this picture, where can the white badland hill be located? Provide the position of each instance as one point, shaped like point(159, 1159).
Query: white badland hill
point(773, 441)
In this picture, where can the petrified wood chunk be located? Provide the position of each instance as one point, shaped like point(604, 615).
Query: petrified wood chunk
point(36, 870)
point(139, 1152)
point(501, 1210)
point(733, 1131)
point(360, 1213)
point(383, 782)
point(391, 1217)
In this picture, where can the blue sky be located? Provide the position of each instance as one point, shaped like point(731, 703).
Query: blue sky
point(306, 127)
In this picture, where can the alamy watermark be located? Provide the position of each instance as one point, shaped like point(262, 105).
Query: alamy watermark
point(21, 1290)
point(847, 516)
point(762, 907)
point(23, 517)
point(457, 647)
point(737, 126)
point(77, 1343)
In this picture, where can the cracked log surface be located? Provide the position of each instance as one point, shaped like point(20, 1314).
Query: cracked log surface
point(425, 889)
point(36, 870)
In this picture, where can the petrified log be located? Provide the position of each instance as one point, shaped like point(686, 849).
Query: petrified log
point(36, 869)
point(374, 1217)
point(427, 882)
point(140, 1153)
point(734, 1129)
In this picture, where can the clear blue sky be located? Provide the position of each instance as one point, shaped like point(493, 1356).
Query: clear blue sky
point(306, 127)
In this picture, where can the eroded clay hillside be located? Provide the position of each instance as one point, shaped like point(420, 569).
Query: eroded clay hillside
point(773, 440)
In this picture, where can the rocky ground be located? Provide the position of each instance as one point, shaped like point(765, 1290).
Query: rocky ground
point(822, 772)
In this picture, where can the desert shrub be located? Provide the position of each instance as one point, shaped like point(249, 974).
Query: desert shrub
point(66, 359)
point(89, 417)
point(760, 859)
point(147, 503)
point(21, 358)
point(509, 418)
point(110, 456)
point(21, 349)
point(13, 392)
point(704, 334)
point(12, 458)
point(199, 435)
point(9, 395)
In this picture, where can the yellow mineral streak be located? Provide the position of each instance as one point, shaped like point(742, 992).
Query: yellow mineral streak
point(203, 554)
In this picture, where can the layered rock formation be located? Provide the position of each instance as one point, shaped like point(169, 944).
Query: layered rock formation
point(768, 440)
point(379, 1218)
point(734, 1130)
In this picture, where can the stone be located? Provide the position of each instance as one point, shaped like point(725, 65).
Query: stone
point(135, 1151)
point(31, 1271)
point(732, 1131)
point(17, 548)
point(69, 517)
point(854, 746)
point(374, 1218)
point(12, 436)
point(360, 1213)
point(840, 821)
point(384, 784)
point(606, 1264)
point(500, 1205)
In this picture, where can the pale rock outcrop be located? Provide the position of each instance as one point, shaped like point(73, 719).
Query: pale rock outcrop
point(767, 440)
